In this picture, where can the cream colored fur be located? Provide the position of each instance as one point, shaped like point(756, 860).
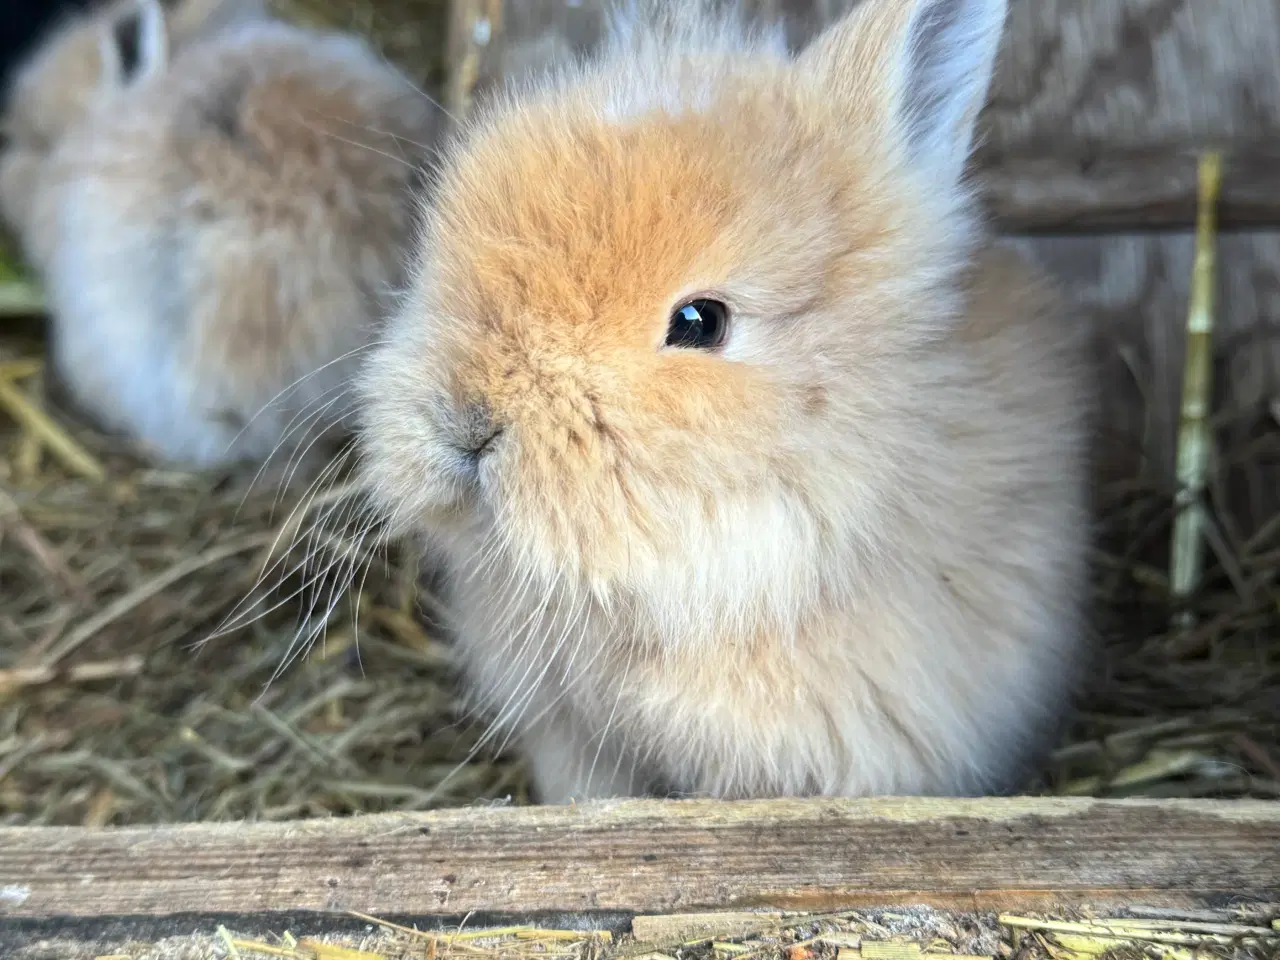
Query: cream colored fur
point(842, 554)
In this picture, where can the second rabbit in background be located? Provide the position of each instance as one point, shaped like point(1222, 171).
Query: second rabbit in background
point(218, 204)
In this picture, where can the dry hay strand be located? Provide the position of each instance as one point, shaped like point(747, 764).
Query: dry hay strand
point(1175, 711)
point(898, 934)
point(1189, 703)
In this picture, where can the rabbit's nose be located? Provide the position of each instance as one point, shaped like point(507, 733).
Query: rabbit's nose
point(477, 430)
point(480, 446)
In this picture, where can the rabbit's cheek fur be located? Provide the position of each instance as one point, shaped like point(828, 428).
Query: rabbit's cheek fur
point(570, 486)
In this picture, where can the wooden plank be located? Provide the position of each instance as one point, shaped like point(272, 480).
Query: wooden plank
point(652, 856)
point(1126, 191)
point(1105, 75)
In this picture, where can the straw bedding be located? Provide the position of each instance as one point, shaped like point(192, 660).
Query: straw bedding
point(896, 934)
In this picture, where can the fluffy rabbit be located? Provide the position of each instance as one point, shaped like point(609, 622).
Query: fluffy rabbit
point(758, 469)
point(222, 229)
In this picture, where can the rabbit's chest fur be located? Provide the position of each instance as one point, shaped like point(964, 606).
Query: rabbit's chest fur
point(924, 694)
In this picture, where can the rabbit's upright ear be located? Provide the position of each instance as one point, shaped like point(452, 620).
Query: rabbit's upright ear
point(134, 44)
point(921, 67)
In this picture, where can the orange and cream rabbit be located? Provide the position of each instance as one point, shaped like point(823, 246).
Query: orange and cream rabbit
point(756, 467)
point(222, 228)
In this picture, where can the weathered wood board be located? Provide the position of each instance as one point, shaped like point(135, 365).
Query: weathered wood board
point(1126, 191)
point(1101, 76)
point(654, 856)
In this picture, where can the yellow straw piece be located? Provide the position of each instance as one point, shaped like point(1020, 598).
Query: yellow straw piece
point(20, 369)
point(56, 440)
point(1194, 439)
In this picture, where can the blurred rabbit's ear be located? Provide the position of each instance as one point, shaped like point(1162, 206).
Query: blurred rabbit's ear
point(134, 44)
point(921, 67)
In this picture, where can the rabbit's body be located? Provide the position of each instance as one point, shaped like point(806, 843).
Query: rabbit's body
point(838, 550)
point(220, 239)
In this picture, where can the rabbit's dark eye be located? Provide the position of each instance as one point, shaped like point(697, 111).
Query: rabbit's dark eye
point(699, 324)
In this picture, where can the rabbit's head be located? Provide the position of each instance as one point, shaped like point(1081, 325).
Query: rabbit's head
point(663, 344)
point(83, 62)
point(87, 58)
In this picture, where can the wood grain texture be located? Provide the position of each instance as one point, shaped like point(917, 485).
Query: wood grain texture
point(651, 856)
point(1105, 75)
point(1126, 192)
